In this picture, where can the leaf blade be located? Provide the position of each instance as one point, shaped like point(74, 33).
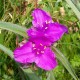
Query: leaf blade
point(65, 62)
point(51, 76)
point(74, 8)
point(31, 74)
point(6, 50)
point(14, 28)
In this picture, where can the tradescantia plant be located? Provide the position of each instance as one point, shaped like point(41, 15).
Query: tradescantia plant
point(41, 36)
point(37, 49)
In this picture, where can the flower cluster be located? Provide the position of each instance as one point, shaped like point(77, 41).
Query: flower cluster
point(42, 35)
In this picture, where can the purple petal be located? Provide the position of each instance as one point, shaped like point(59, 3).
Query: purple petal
point(37, 36)
point(47, 60)
point(50, 32)
point(24, 54)
point(34, 33)
point(41, 40)
point(39, 17)
point(55, 31)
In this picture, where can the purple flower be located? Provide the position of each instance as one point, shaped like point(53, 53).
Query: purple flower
point(38, 53)
point(38, 48)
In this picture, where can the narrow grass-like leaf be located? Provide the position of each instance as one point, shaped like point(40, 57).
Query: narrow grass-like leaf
point(65, 62)
point(74, 8)
point(14, 28)
point(6, 50)
point(76, 3)
point(31, 74)
point(51, 76)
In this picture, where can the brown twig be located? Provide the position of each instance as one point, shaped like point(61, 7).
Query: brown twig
point(17, 41)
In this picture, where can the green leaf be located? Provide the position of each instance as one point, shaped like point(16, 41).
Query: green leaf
point(65, 62)
point(77, 3)
point(1, 8)
point(6, 50)
point(78, 23)
point(14, 28)
point(31, 74)
point(74, 8)
point(51, 76)
point(1, 38)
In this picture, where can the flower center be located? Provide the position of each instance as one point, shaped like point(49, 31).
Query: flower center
point(39, 48)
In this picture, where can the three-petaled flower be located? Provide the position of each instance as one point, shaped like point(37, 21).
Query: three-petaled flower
point(41, 36)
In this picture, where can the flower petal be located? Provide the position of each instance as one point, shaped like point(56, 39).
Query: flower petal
point(37, 36)
point(55, 31)
point(47, 60)
point(32, 32)
point(39, 17)
point(24, 54)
